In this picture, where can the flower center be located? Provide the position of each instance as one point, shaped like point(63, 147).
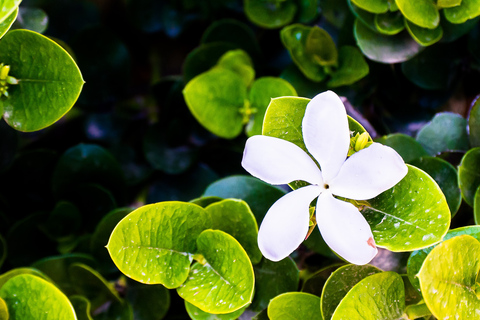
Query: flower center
point(326, 186)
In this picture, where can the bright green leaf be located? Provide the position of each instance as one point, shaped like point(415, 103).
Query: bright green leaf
point(468, 9)
point(389, 23)
point(423, 13)
point(32, 298)
point(412, 215)
point(448, 278)
point(424, 37)
point(373, 6)
point(446, 132)
point(261, 92)
point(18, 271)
point(217, 107)
point(339, 284)
point(469, 174)
point(197, 313)
point(3, 310)
point(448, 3)
point(385, 49)
point(407, 147)
point(476, 206)
point(351, 67)
point(379, 296)
point(223, 281)
point(8, 7)
point(49, 80)
point(6, 24)
point(154, 244)
point(365, 17)
point(294, 306)
point(474, 123)
point(239, 62)
point(270, 14)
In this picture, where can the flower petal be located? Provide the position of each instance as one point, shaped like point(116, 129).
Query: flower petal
point(345, 230)
point(326, 132)
point(285, 225)
point(278, 161)
point(369, 172)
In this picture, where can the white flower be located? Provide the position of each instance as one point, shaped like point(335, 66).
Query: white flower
point(362, 176)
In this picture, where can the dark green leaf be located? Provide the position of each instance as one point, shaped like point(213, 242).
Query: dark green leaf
point(82, 307)
point(149, 302)
point(271, 13)
point(406, 146)
point(314, 284)
point(474, 123)
point(469, 174)
point(351, 67)
point(389, 23)
point(424, 37)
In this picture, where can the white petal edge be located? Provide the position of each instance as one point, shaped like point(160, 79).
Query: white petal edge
point(326, 132)
point(345, 230)
point(285, 225)
point(278, 161)
point(369, 172)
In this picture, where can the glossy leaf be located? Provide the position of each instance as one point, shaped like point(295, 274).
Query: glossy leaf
point(8, 7)
point(273, 279)
point(385, 49)
point(197, 313)
point(223, 280)
point(49, 80)
point(379, 296)
point(217, 108)
point(365, 17)
point(424, 37)
point(448, 278)
point(235, 218)
point(389, 23)
point(29, 297)
point(259, 195)
point(423, 13)
point(448, 3)
point(469, 174)
point(374, 6)
point(239, 62)
point(7, 23)
point(351, 67)
point(474, 123)
point(407, 147)
point(476, 207)
point(468, 9)
point(261, 92)
point(412, 215)
point(3, 310)
point(149, 302)
point(339, 284)
point(294, 38)
point(270, 14)
point(416, 259)
point(446, 132)
point(294, 305)
point(18, 271)
point(154, 244)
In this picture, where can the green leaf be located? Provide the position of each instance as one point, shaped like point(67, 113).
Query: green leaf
point(452, 31)
point(423, 13)
point(339, 284)
point(407, 147)
point(385, 49)
point(63, 221)
point(6, 24)
point(197, 313)
point(3, 310)
point(272, 279)
point(365, 17)
point(424, 37)
point(373, 6)
point(294, 305)
point(270, 14)
point(304, 86)
point(389, 23)
point(476, 206)
point(155, 243)
point(8, 7)
point(448, 3)
point(314, 284)
point(414, 214)
point(416, 259)
point(259, 195)
point(446, 132)
point(468, 9)
point(379, 296)
point(34, 19)
point(445, 175)
point(235, 218)
point(261, 92)
point(239, 62)
point(308, 10)
point(320, 45)
point(294, 38)
point(82, 307)
point(32, 298)
point(474, 123)
point(217, 108)
point(149, 302)
point(223, 281)
point(18, 271)
point(351, 67)
point(205, 201)
point(469, 175)
point(448, 278)
point(49, 80)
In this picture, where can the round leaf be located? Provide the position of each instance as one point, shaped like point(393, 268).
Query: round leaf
point(424, 37)
point(448, 278)
point(407, 147)
point(197, 314)
point(385, 49)
point(224, 281)
point(374, 6)
point(414, 214)
point(421, 12)
point(6, 24)
point(468, 9)
point(154, 244)
point(469, 174)
point(295, 306)
point(32, 298)
point(339, 284)
point(379, 296)
point(217, 107)
point(351, 67)
point(8, 7)
point(446, 132)
point(18, 271)
point(389, 23)
point(270, 14)
point(49, 80)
